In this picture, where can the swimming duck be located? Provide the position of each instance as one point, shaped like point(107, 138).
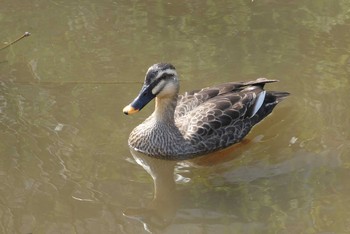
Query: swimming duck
point(197, 122)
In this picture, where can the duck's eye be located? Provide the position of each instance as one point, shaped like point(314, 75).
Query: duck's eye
point(165, 76)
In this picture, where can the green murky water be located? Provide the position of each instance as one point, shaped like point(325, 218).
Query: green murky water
point(65, 164)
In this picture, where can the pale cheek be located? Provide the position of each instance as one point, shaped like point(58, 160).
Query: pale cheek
point(168, 91)
point(158, 87)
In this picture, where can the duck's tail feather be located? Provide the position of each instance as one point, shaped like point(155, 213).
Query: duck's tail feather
point(272, 98)
point(278, 96)
point(259, 82)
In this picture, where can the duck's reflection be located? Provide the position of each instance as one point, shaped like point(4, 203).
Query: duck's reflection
point(159, 213)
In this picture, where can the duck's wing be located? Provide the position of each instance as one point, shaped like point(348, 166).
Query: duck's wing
point(223, 115)
point(191, 100)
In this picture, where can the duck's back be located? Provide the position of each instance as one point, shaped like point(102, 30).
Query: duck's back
point(219, 116)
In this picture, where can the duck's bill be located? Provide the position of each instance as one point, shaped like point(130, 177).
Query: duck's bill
point(129, 110)
point(144, 97)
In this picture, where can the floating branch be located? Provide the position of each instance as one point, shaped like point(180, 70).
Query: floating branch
point(26, 34)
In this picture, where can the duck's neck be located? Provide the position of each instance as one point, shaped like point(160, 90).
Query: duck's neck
point(165, 109)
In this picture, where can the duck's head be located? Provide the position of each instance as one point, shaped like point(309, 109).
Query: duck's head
point(161, 81)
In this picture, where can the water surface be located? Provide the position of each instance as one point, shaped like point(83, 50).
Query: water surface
point(65, 164)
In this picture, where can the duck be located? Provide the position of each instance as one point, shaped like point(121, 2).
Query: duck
point(197, 122)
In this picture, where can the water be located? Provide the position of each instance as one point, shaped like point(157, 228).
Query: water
point(65, 164)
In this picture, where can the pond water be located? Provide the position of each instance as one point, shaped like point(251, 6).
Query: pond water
point(65, 163)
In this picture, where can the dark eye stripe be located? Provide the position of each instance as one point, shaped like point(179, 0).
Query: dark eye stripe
point(165, 76)
point(152, 75)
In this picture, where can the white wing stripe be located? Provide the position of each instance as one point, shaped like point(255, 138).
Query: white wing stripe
point(259, 101)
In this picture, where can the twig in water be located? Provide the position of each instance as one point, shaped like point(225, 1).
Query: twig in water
point(26, 34)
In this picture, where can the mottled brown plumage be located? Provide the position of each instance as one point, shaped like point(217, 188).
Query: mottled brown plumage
point(198, 122)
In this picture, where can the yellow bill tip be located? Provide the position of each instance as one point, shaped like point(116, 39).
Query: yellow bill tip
point(129, 110)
